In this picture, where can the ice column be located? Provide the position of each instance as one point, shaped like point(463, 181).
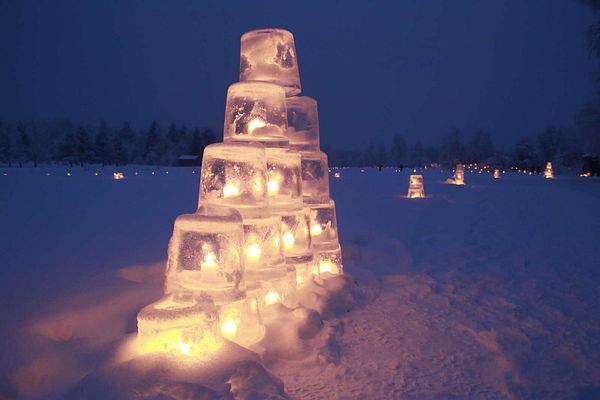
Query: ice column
point(415, 187)
point(549, 172)
point(459, 175)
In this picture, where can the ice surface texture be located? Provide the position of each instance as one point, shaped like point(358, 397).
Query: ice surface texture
point(283, 178)
point(179, 325)
point(303, 123)
point(241, 322)
point(234, 174)
point(255, 112)
point(269, 55)
point(315, 177)
point(323, 223)
point(205, 255)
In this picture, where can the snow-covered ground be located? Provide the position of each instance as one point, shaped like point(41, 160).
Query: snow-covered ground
point(488, 290)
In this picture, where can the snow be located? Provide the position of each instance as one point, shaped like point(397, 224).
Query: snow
point(487, 290)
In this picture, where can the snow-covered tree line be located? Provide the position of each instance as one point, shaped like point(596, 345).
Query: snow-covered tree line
point(61, 141)
point(566, 146)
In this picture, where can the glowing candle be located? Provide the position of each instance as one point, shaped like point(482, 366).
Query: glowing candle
point(316, 230)
point(253, 252)
point(272, 297)
point(184, 348)
point(229, 328)
point(327, 266)
point(288, 240)
point(273, 187)
point(255, 123)
point(231, 190)
point(210, 261)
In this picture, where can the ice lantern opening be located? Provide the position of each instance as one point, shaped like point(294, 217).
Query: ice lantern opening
point(255, 112)
point(205, 255)
point(459, 175)
point(549, 172)
point(415, 187)
point(269, 55)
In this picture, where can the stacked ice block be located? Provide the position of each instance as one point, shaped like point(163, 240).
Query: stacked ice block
point(459, 174)
point(265, 222)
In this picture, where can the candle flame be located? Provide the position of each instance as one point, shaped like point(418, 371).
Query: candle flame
point(316, 230)
point(231, 190)
point(273, 187)
point(229, 328)
point(272, 297)
point(255, 123)
point(288, 240)
point(253, 252)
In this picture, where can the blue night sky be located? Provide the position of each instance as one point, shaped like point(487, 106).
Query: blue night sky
point(419, 68)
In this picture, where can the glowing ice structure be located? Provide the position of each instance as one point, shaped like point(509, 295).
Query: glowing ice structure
point(265, 223)
point(459, 175)
point(496, 173)
point(269, 55)
point(255, 112)
point(415, 187)
point(549, 172)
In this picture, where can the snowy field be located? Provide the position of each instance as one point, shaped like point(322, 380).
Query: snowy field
point(486, 291)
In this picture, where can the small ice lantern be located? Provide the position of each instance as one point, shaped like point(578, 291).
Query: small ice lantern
point(263, 244)
point(284, 185)
point(315, 177)
point(459, 175)
point(179, 325)
point(496, 174)
point(241, 322)
point(255, 112)
point(205, 255)
point(279, 286)
point(329, 259)
point(415, 187)
point(269, 55)
point(306, 268)
point(234, 174)
point(549, 172)
point(295, 233)
point(303, 123)
point(323, 223)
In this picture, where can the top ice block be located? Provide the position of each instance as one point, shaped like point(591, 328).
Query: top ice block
point(269, 55)
point(255, 112)
point(303, 123)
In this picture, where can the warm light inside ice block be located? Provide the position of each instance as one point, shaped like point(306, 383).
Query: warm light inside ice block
point(273, 187)
point(254, 124)
point(415, 187)
point(118, 175)
point(253, 252)
point(459, 175)
point(178, 326)
point(315, 230)
point(496, 174)
point(288, 240)
point(272, 297)
point(231, 190)
point(229, 328)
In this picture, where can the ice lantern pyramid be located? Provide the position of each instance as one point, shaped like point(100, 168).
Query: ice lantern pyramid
point(549, 172)
point(265, 223)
